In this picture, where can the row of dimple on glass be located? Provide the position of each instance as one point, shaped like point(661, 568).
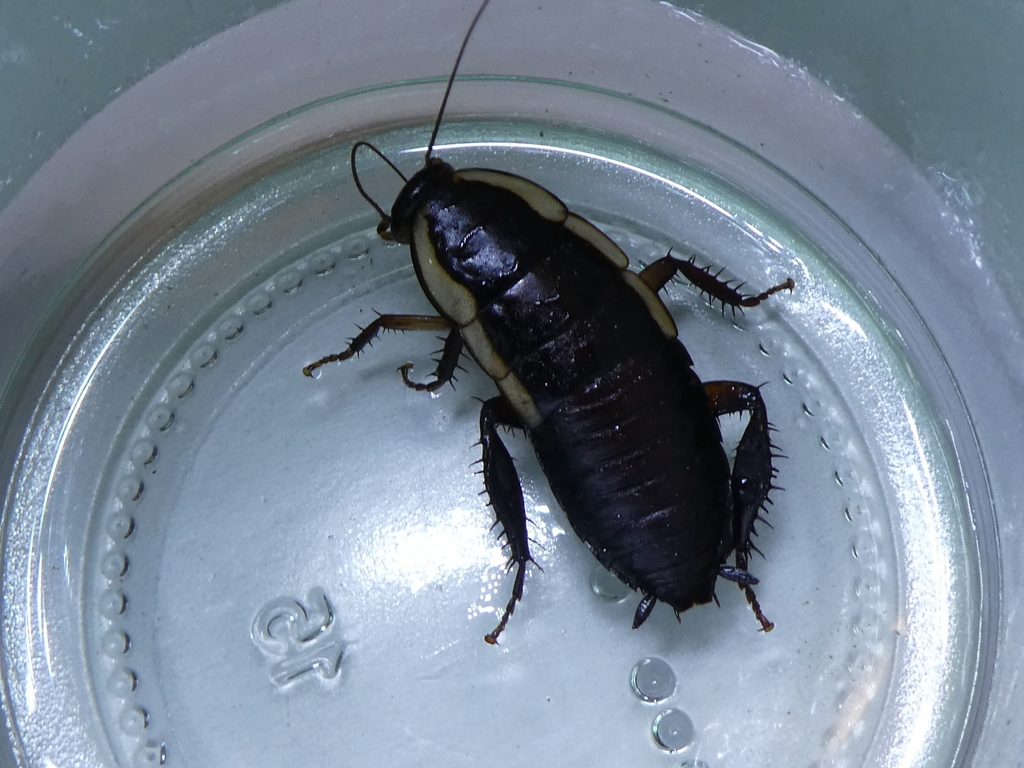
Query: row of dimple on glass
point(133, 719)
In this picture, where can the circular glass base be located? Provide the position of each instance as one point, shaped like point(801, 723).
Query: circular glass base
point(254, 567)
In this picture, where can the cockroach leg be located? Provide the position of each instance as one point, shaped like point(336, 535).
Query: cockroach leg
point(381, 323)
point(501, 482)
point(445, 366)
point(752, 473)
point(766, 624)
point(656, 275)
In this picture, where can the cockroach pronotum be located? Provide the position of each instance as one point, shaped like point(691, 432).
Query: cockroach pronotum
point(587, 361)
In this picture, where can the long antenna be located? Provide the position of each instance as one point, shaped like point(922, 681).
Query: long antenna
point(359, 184)
point(451, 79)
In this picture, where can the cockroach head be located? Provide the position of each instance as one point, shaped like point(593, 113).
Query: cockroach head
point(428, 184)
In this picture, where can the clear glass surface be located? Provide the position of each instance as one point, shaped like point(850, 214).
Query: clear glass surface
point(209, 559)
point(252, 534)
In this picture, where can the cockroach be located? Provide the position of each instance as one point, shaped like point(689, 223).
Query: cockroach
point(587, 361)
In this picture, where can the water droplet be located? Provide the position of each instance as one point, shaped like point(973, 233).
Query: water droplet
point(204, 355)
point(653, 680)
point(122, 681)
point(134, 720)
point(606, 585)
point(120, 526)
point(673, 730)
point(161, 418)
point(112, 604)
point(115, 643)
point(259, 303)
point(149, 755)
point(231, 328)
point(181, 386)
point(288, 281)
point(114, 565)
point(693, 764)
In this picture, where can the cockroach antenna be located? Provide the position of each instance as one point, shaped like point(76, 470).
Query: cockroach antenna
point(385, 219)
point(359, 184)
point(451, 80)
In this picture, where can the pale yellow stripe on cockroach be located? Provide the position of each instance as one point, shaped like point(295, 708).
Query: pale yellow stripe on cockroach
point(453, 300)
point(543, 202)
point(604, 244)
point(607, 248)
point(483, 351)
point(653, 302)
point(520, 400)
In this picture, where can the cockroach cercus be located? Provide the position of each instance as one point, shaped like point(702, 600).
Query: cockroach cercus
point(587, 362)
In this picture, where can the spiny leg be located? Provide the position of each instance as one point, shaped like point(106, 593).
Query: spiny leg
point(502, 486)
point(753, 472)
point(369, 333)
point(446, 365)
point(767, 625)
point(752, 476)
point(656, 275)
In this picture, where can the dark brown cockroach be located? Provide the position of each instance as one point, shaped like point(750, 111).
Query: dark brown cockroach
point(588, 363)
